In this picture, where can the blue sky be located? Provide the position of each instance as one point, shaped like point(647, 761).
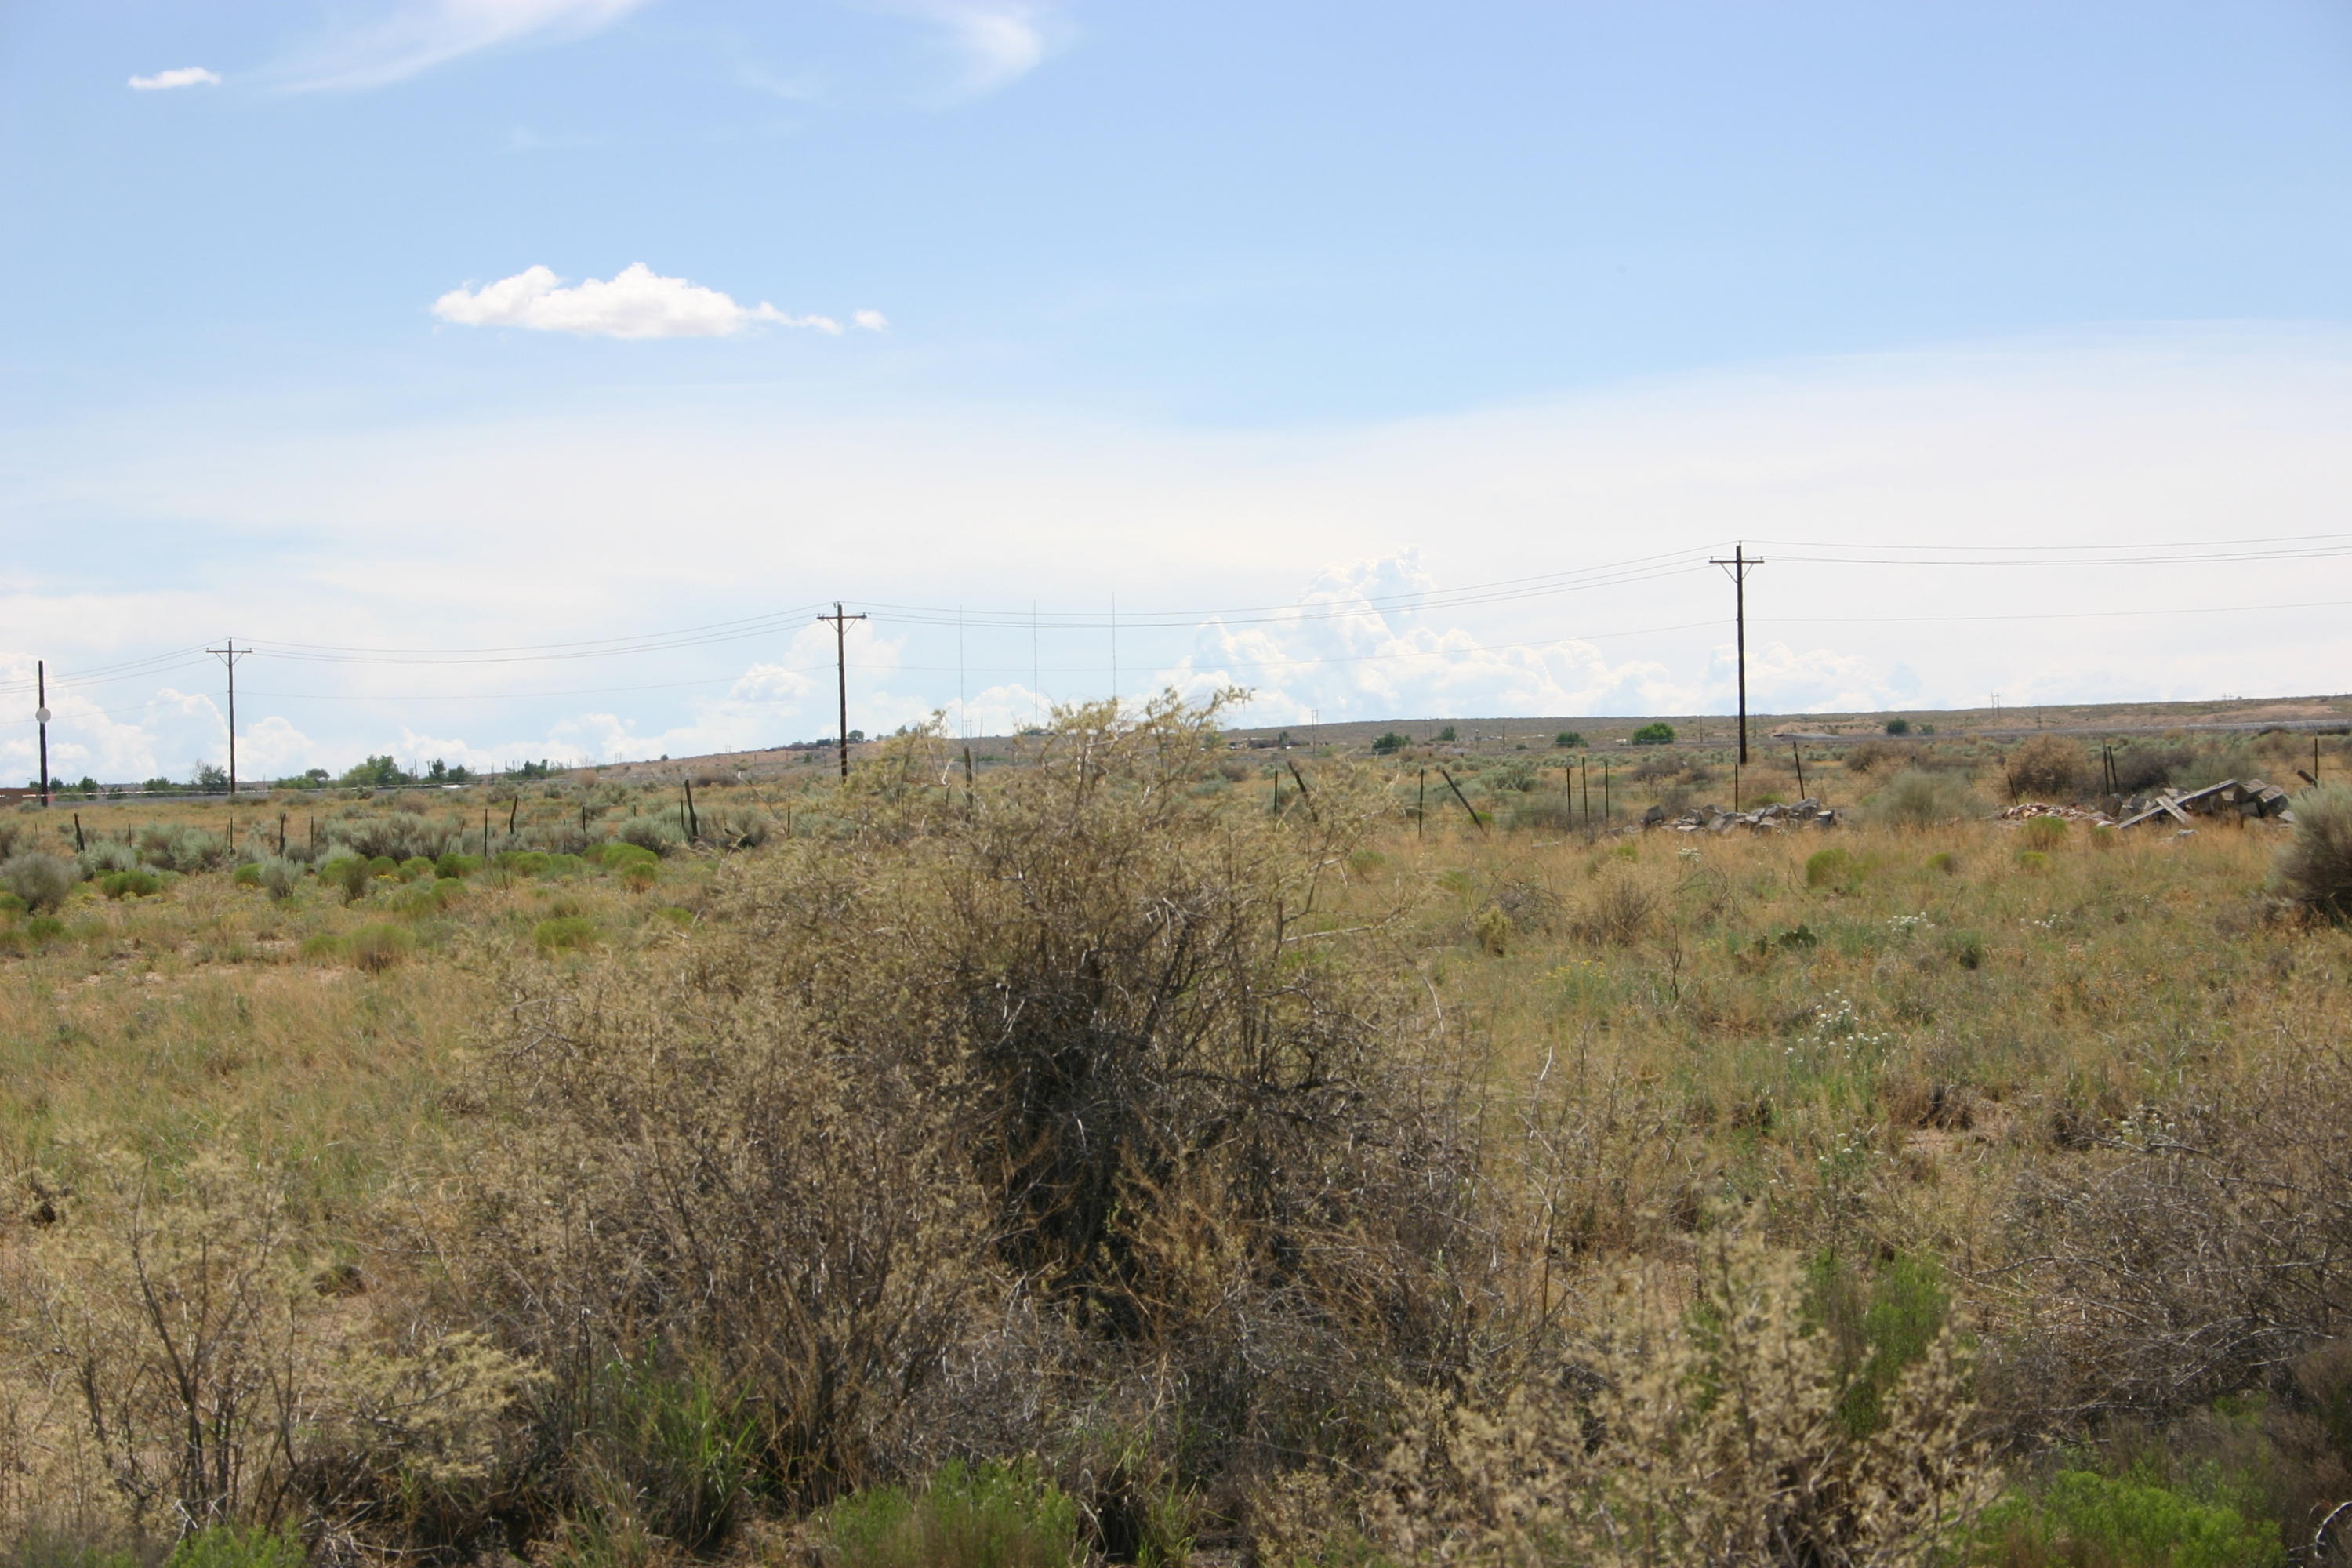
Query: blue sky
point(971, 302)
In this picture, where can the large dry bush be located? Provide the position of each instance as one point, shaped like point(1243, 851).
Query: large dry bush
point(202, 1363)
point(2190, 1251)
point(1705, 1428)
point(1051, 1101)
point(2047, 767)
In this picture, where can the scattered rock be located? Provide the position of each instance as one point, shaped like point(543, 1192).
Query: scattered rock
point(1773, 818)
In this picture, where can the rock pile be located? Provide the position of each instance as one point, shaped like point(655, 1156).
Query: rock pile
point(1806, 813)
point(2248, 798)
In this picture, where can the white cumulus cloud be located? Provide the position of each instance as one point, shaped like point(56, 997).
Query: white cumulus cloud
point(415, 38)
point(636, 303)
point(872, 320)
point(185, 75)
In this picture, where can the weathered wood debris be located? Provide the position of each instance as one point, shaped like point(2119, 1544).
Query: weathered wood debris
point(2248, 798)
point(1774, 818)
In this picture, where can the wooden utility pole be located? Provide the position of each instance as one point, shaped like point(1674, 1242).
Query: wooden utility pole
point(1739, 563)
point(41, 716)
point(232, 653)
point(841, 666)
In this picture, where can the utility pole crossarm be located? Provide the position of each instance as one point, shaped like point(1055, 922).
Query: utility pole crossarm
point(840, 667)
point(1740, 564)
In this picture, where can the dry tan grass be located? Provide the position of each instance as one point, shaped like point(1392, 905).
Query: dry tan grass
point(1656, 1039)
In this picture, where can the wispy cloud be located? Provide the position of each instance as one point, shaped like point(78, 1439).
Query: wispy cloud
point(999, 42)
point(185, 75)
point(637, 303)
point(423, 33)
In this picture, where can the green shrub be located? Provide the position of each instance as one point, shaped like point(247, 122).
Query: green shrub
point(377, 948)
point(326, 947)
point(41, 880)
point(565, 933)
point(1445, 737)
point(383, 866)
point(1573, 739)
point(2316, 868)
point(2082, 1517)
point(225, 1546)
point(2043, 832)
point(2034, 862)
point(348, 872)
point(247, 876)
point(1918, 798)
point(1389, 743)
point(658, 833)
point(414, 866)
point(997, 1515)
point(663, 1448)
point(11, 905)
point(1657, 734)
point(1878, 1325)
point(1944, 861)
point(1831, 867)
point(107, 854)
point(1964, 948)
point(130, 884)
point(1898, 726)
point(452, 866)
point(45, 928)
point(281, 876)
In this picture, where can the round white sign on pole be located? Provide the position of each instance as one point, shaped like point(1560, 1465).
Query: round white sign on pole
point(41, 715)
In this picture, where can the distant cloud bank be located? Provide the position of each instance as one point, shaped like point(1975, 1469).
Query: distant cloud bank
point(186, 75)
point(637, 303)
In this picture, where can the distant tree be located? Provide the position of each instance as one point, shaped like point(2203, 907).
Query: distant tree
point(160, 785)
point(1659, 734)
point(1571, 737)
point(1926, 729)
point(1898, 726)
point(1390, 743)
point(376, 772)
point(1445, 736)
point(544, 769)
point(89, 786)
point(210, 776)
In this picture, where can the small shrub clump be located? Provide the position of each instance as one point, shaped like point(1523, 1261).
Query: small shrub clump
point(2316, 868)
point(1005, 1515)
point(377, 948)
point(40, 879)
point(1657, 734)
point(565, 933)
point(1918, 798)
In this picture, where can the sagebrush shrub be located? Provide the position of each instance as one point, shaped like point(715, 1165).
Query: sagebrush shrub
point(41, 880)
point(1918, 798)
point(2315, 867)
